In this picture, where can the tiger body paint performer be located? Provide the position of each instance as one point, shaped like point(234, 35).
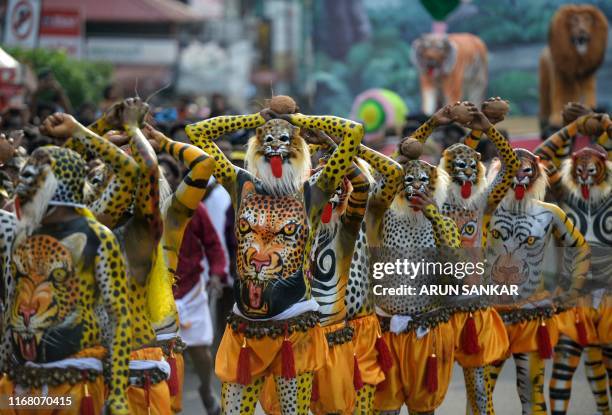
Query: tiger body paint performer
point(520, 228)
point(481, 335)
point(277, 211)
point(156, 361)
point(333, 247)
point(136, 215)
point(581, 182)
point(403, 221)
point(371, 351)
point(62, 264)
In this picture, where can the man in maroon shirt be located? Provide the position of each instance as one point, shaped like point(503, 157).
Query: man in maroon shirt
point(200, 242)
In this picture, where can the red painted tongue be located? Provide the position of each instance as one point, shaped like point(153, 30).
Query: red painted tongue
point(586, 192)
point(519, 192)
point(327, 212)
point(430, 71)
point(466, 189)
point(276, 162)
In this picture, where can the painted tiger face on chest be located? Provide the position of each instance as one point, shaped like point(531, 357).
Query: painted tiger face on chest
point(467, 173)
point(271, 233)
point(279, 157)
point(588, 174)
point(516, 246)
point(46, 293)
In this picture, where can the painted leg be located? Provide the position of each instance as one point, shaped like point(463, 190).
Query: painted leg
point(495, 370)
point(421, 413)
point(530, 382)
point(364, 404)
point(294, 394)
point(237, 399)
point(596, 374)
point(565, 362)
point(387, 412)
point(479, 390)
point(607, 355)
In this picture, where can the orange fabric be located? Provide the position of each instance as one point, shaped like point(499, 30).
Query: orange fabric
point(268, 398)
point(492, 337)
point(405, 382)
point(523, 336)
point(176, 402)
point(335, 379)
point(159, 394)
point(309, 349)
point(367, 329)
point(99, 352)
point(604, 324)
point(566, 322)
point(95, 389)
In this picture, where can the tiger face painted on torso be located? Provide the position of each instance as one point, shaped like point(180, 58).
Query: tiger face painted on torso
point(52, 316)
point(271, 233)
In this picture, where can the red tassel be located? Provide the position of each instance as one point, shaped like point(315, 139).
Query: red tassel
point(385, 361)
point(544, 346)
point(173, 381)
point(431, 374)
point(314, 396)
point(244, 365)
point(87, 403)
point(288, 361)
point(582, 334)
point(469, 336)
point(357, 380)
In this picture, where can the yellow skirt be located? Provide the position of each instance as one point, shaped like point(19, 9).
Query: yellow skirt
point(367, 329)
point(406, 380)
point(309, 350)
point(96, 390)
point(492, 337)
point(159, 394)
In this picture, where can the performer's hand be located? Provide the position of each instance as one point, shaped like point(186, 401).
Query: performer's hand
point(319, 137)
point(495, 109)
point(418, 200)
point(113, 115)
point(155, 137)
point(118, 138)
point(59, 125)
point(591, 124)
point(215, 286)
point(134, 112)
point(268, 114)
point(573, 111)
point(479, 122)
point(443, 116)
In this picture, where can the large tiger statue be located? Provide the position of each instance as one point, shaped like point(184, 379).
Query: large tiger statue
point(452, 67)
point(577, 41)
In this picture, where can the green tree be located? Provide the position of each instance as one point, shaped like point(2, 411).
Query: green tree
point(83, 80)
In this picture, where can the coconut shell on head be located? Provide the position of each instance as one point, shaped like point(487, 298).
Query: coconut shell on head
point(495, 109)
point(411, 148)
point(282, 104)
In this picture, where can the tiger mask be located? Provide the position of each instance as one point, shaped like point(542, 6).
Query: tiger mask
point(529, 182)
point(587, 174)
point(279, 157)
point(467, 174)
point(420, 176)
